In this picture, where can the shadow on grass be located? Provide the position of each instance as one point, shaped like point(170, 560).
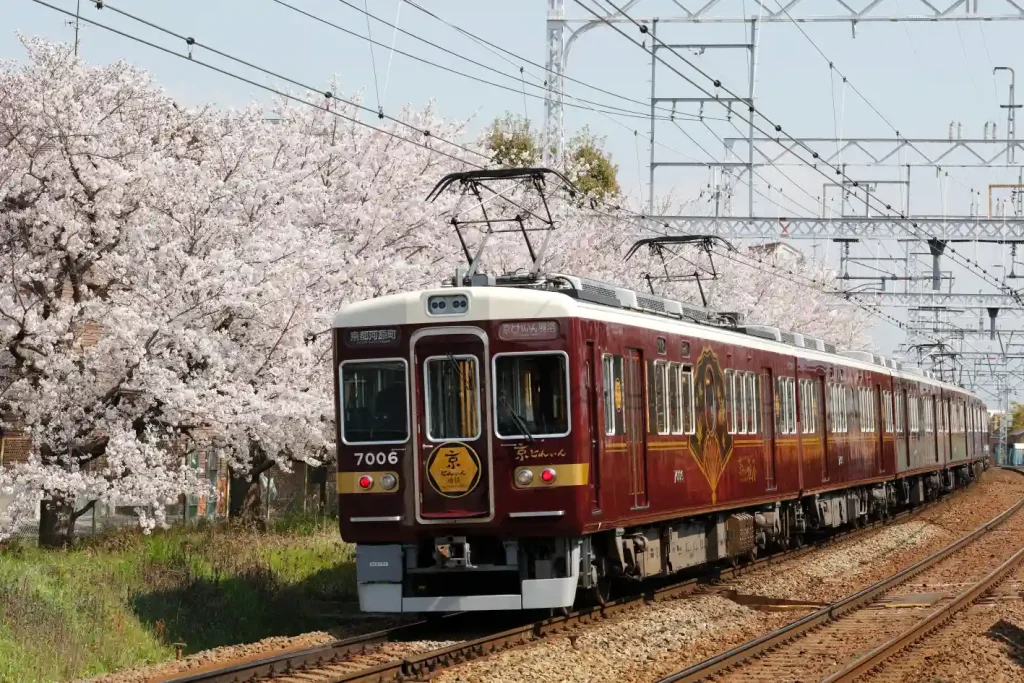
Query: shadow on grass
point(204, 612)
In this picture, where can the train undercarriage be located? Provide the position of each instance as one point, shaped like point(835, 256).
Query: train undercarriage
point(459, 573)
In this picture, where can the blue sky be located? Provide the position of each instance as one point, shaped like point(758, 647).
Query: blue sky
point(920, 76)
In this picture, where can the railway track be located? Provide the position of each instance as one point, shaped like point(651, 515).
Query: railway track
point(857, 635)
point(392, 654)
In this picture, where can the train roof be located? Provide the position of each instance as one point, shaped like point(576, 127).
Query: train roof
point(519, 303)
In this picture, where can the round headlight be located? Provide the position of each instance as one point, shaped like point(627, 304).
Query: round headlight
point(548, 475)
point(524, 477)
point(365, 481)
point(388, 481)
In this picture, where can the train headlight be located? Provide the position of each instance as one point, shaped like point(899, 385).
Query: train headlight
point(388, 481)
point(547, 476)
point(365, 482)
point(524, 477)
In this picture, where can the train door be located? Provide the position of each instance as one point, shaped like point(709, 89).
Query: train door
point(879, 423)
point(636, 432)
point(822, 407)
point(454, 479)
point(901, 429)
point(590, 394)
point(769, 416)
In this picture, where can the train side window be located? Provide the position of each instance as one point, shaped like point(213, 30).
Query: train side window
point(452, 397)
point(752, 401)
point(686, 390)
point(808, 406)
point(740, 391)
point(791, 393)
point(730, 401)
point(611, 377)
point(657, 390)
point(531, 393)
point(929, 414)
point(675, 400)
point(785, 401)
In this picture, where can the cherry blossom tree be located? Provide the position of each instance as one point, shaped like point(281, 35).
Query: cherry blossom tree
point(211, 249)
point(168, 276)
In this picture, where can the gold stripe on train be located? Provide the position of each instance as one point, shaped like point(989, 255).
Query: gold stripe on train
point(348, 482)
point(574, 474)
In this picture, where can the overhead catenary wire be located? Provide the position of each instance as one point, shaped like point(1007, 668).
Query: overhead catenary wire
point(519, 59)
point(609, 109)
point(495, 49)
point(191, 42)
point(902, 219)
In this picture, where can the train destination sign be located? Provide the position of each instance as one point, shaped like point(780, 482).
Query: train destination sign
point(386, 336)
point(529, 331)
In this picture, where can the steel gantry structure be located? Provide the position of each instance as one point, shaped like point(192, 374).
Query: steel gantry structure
point(873, 180)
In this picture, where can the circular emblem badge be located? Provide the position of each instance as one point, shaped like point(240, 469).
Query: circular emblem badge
point(453, 469)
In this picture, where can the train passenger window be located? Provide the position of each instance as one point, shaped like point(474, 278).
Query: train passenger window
point(675, 399)
point(374, 402)
point(531, 393)
point(785, 402)
point(840, 409)
point(612, 379)
point(867, 410)
point(752, 402)
point(808, 406)
point(929, 414)
point(452, 397)
point(657, 392)
point(887, 411)
point(730, 400)
point(686, 389)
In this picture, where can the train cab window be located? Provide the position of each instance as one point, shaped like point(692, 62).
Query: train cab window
point(374, 402)
point(531, 393)
point(452, 397)
point(612, 378)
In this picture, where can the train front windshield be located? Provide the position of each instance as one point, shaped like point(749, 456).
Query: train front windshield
point(374, 402)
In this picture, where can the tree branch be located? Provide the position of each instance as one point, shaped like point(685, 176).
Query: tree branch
point(88, 506)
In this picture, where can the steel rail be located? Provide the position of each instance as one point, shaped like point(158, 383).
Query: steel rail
point(936, 618)
point(336, 652)
point(762, 644)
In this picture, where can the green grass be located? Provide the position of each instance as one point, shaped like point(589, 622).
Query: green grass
point(125, 599)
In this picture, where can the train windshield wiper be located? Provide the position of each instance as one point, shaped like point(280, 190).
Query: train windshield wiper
point(516, 418)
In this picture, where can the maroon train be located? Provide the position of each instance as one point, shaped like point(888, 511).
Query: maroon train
point(507, 445)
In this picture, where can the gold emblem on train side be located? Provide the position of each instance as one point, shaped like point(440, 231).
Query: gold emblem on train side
point(453, 469)
point(711, 443)
point(618, 394)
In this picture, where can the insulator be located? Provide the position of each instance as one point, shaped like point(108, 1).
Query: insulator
point(951, 131)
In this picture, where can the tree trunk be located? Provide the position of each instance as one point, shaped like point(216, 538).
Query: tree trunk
point(56, 522)
point(244, 496)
